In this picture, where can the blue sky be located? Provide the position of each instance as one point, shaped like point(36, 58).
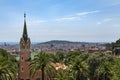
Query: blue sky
point(73, 20)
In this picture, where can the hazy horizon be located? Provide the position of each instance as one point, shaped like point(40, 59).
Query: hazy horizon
point(52, 40)
point(71, 20)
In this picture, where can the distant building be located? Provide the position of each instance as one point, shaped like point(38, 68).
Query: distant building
point(25, 58)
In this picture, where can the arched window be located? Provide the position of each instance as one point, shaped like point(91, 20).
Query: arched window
point(22, 58)
point(22, 69)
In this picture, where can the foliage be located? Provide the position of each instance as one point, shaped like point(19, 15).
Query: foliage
point(58, 57)
point(80, 66)
point(41, 62)
point(94, 66)
point(79, 69)
point(8, 66)
point(61, 75)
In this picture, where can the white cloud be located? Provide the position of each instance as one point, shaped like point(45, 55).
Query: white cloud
point(86, 13)
point(76, 16)
point(66, 18)
point(104, 21)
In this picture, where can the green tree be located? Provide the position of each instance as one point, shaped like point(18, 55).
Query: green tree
point(58, 57)
point(77, 64)
point(8, 66)
point(61, 75)
point(104, 71)
point(116, 68)
point(97, 65)
point(70, 56)
point(79, 69)
point(42, 62)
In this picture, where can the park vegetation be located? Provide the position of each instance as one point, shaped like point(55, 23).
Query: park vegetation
point(8, 66)
point(80, 66)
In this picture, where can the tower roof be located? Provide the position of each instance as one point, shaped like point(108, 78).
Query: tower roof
point(25, 36)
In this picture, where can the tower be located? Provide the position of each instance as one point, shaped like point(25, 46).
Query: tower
point(23, 73)
point(25, 57)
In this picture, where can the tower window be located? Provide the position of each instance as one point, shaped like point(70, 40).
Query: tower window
point(22, 69)
point(22, 58)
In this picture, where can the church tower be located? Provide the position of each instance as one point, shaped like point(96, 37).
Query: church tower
point(23, 73)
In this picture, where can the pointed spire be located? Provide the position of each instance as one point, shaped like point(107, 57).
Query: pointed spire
point(25, 36)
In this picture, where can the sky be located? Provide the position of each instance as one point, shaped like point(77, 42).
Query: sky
point(72, 20)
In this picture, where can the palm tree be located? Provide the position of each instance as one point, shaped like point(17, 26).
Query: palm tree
point(70, 56)
point(8, 66)
point(58, 57)
point(7, 70)
point(61, 75)
point(117, 68)
point(98, 64)
point(42, 62)
point(105, 71)
point(79, 69)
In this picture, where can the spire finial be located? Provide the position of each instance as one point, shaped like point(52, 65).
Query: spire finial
point(24, 15)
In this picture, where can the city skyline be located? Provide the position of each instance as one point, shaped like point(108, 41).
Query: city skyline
point(72, 20)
